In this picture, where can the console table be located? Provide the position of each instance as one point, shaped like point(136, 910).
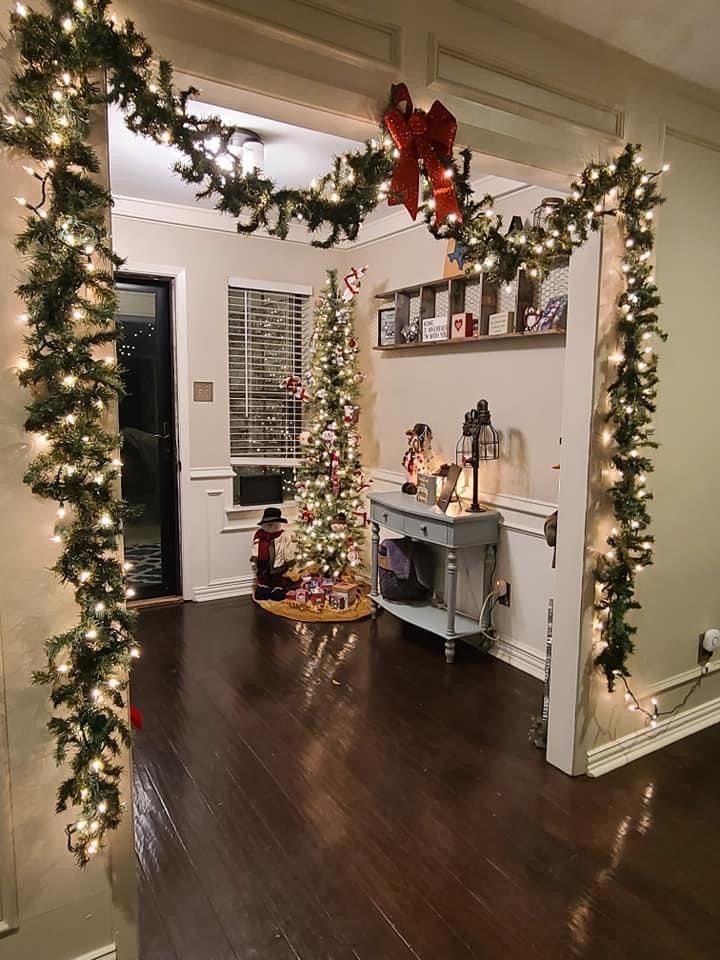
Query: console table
point(401, 513)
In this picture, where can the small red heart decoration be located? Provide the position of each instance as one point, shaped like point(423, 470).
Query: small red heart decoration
point(458, 323)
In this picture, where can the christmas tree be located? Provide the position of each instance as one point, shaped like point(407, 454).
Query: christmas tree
point(330, 481)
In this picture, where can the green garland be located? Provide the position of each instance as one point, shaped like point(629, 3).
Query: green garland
point(74, 58)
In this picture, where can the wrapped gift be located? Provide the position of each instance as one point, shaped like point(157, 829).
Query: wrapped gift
point(317, 599)
point(345, 595)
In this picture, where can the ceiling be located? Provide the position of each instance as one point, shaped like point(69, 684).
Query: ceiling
point(141, 168)
point(679, 37)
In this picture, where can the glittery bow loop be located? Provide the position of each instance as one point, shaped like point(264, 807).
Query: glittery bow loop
point(421, 136)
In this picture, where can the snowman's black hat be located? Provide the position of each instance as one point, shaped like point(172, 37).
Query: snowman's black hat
point(272, 515)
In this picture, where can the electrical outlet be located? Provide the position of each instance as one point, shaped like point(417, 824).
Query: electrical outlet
point(502, 592)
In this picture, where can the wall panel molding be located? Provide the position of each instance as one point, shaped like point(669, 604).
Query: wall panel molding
point(691, 138)
point(224, 588)
point(315, 27)
point(504, 87)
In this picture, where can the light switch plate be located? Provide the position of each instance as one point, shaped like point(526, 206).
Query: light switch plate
point(203, 391)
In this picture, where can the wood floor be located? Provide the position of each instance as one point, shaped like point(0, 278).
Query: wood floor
point(327, 793)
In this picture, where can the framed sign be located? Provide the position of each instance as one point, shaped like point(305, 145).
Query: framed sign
point(434, 328)
point(448, 487)
point(427, 489)
point(499, 323)
point(386, 326)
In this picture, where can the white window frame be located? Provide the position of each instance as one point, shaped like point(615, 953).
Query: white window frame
point(271, 286)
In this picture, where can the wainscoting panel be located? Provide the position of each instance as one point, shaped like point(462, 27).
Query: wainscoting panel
point(220, 536)
point(506, 88)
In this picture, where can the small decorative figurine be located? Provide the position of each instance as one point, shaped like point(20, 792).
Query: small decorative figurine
point(419, 456)
point(273, 551)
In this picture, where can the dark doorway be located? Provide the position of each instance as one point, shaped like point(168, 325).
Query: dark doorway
point(147, 427)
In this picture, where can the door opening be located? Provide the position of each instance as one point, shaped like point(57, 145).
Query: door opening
point(147, 428)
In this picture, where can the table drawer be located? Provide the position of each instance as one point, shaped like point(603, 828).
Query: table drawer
point(432, 531)
point(388, 518)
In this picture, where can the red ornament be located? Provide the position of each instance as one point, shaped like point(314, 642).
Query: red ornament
point(362, 514)
point(421, 136)
point(352, 282)
point(294, 387)
point(136, 718)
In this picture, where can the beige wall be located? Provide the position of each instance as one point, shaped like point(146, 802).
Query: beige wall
point(522, 381)
point(528, 92)
point(210, 258)
point(51, 909)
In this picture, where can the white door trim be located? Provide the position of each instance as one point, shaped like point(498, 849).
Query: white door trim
point(179, 318)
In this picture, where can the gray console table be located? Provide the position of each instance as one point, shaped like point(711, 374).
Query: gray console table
point(401, 513)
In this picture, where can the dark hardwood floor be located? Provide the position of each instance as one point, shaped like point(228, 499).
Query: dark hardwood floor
point(327, 793)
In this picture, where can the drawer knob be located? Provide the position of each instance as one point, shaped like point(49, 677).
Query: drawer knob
point(423, 528)
point(385, 516)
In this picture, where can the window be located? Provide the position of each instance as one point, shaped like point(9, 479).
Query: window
point(267, 336)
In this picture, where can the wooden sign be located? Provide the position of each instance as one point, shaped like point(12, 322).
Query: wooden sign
point(434, 328)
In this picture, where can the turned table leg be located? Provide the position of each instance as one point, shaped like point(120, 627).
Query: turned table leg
point(375, 536)
point(451, 599)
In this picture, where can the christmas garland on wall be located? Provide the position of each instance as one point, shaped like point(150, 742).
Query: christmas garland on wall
point(74, 58)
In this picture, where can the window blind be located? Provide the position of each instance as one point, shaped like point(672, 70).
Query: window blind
point(267, 334)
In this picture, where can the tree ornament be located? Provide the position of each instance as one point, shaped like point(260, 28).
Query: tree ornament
point(352, 281)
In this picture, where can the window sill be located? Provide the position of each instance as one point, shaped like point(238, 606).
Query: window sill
point(260, 507)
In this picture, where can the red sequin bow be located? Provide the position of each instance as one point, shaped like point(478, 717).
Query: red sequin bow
point(421, 136)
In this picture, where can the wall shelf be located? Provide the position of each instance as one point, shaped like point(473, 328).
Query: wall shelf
point(433, 313)
point(480, 341)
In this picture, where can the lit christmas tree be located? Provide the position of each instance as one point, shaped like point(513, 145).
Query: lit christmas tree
point(330, 480)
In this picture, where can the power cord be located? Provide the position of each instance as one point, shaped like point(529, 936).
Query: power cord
point(656, 714)
point(489, 634)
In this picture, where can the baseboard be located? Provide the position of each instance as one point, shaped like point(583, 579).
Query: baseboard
point(519, 655)
point(225, 588)
point(107, 952)
point(632, 746)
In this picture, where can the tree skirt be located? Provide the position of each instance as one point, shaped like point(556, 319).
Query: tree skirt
point(284, 609)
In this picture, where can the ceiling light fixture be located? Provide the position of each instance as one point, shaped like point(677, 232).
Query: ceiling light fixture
point(248, 147)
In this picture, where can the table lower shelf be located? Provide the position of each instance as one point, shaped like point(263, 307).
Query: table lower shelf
point(424, 615)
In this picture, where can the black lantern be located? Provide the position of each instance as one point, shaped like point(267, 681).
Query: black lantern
point(479, 441)
point(548, 207)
